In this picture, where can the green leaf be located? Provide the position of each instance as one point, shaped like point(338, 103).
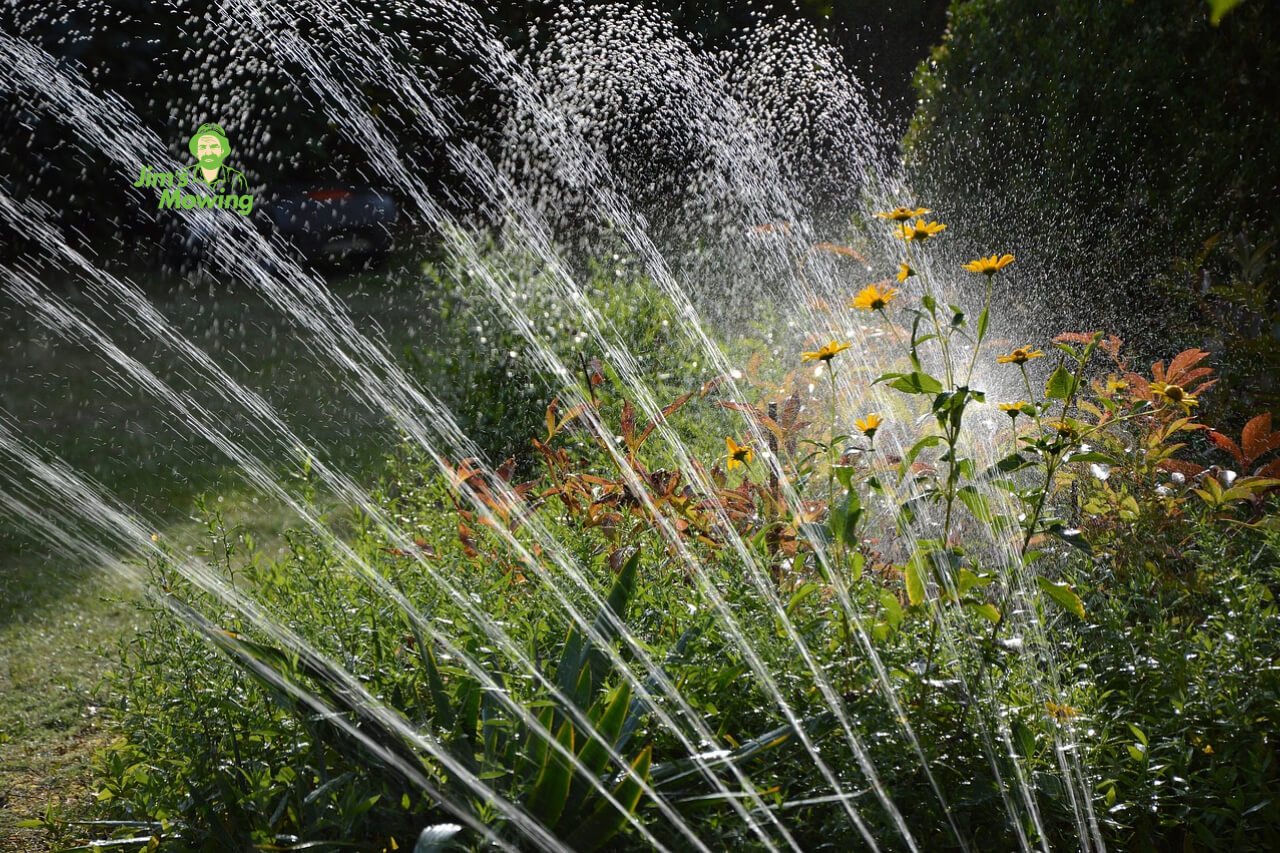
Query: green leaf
point(1218, 8)
point(608, 728)
point(916, 382)
point(536, 751)
point(1089, 456)
point(844, 475)
point(1061, 385)
point(1024, 738)
point(892, 608)
point(819, 535)
point(1007, 465)
point(595, 754)
point(927, 441)
point(982, 325)
point(1063, 595)
point(605, 821)
point(798, 597)
point(928, 302)
point(915, 572)
point(976, 502)
point(444, 708)
point(1072, 537)
point(578, 652)
point(551, 790)
point(844, 517)
point(985, 609)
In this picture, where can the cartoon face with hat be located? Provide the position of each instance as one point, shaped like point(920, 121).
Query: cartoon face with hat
point(210, 147)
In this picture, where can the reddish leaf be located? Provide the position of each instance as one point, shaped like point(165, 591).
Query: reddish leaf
point(552, 408)
point(711, 384)
point(1076, 337)
point(1180, 466)
point(836, 249)
point(629, 424)
point(1271, 470)
point(1184, 361)
point(761, 419)
point(1227, 444)
point(1190, 376)
point(467, 537)
point(1257, 437)
point(669, 410)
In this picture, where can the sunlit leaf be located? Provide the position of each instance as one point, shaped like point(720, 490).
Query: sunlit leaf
point(1063, 595)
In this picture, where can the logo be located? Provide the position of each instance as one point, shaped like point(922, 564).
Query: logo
point(210, 183)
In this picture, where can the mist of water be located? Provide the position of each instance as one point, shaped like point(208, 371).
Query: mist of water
point(586, 112)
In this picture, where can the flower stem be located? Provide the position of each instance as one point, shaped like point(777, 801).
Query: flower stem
point(977, 343)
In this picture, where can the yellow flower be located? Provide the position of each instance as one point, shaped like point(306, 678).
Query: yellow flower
point(902, 214)
point(989, 266)
point(1013, 409)
point(1060, 712)
point(826, 353)
point(919, 232)
point(1175, 394)
point(1064, 428)
point(1019, 356)
point(739, 454)
point(874, 298)
point(155, 537)
point(868, 425)
point(1115, 385)
point(1208, 750)
point(905, 272)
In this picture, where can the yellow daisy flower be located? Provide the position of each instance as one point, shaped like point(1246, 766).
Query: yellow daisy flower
point(1060, 712)
point(868, 425)
point(905, 272)
point(1019, 356)
point(1013, 409)
point(1175, 394)
point(1115, 386)
point(1065, 429)
point(739, 454)
point(919, 232)
point(989, 266)
point(874, 298)
point(826, 353)
point(902, 214)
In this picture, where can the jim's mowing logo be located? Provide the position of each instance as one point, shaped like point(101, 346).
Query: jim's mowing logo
point(211, 183)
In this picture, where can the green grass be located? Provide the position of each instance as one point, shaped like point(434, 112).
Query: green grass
point(62, 622)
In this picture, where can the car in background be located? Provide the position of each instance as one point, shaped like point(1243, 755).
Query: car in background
point(331, 226)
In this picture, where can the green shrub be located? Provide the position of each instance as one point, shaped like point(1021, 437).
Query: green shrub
point(624, 577)
point(1100, 141)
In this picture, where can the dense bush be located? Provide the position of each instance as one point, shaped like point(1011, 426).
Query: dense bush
point(497, 384)
point(1101, 141)
point(1100, 641)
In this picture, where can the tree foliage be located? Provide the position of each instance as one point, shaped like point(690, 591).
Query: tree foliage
point(1072, 126)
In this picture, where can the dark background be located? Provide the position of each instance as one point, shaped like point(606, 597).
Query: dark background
point(172, 68)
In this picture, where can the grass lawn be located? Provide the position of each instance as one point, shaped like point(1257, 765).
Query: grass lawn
point(61, 623)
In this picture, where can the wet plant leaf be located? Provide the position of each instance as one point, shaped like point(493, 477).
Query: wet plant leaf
point(606, 821)
point(1062, 595)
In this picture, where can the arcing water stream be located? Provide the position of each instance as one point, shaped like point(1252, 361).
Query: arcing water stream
point(551, 158)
